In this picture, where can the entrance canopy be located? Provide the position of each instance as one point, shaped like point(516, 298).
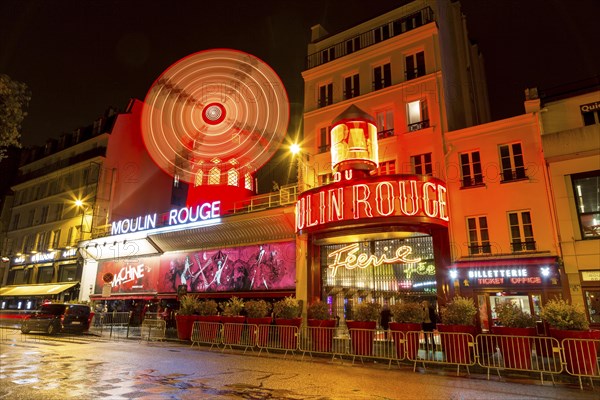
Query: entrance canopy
point(36, 290)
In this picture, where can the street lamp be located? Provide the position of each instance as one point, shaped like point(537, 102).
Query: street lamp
point(302, 167)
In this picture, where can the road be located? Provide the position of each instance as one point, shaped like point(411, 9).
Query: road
point(34, 367)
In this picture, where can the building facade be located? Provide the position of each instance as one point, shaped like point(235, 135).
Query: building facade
point(570, 119)
point(413, 71)
point(57, 201)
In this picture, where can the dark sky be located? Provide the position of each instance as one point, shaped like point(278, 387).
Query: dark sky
point(81, 56)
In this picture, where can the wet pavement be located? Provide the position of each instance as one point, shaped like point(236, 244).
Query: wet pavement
point(39, 367)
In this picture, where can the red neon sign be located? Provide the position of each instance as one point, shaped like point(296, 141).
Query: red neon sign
point(377, 197)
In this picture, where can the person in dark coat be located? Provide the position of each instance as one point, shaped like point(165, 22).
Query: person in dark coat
point(429, 325)
point(385, 318)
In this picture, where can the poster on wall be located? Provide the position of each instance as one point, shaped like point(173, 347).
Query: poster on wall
point(129, 276)
point(265, 267)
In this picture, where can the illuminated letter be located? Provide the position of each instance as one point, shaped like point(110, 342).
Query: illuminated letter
point(442, 196)
point(216, 209)
point(116, 228)
point(427, 202)
point(414, 198)
point(389, 198)
point(310, 223)
point(322, 207)
point(172, 217)
point(151, 221)
point(204, 211)
point(365, 200)
point(179, 218)
point(300, 206)
point(336, 202)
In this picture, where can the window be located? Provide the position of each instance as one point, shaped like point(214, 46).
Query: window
point(31, 216)
point(59, 211)
point(248, 181)
point(387, 168)
point(232, 177)
point(521, 231)
point(44, 216)
point(385, 123)
point(67, 273)
point(71, 236)
point(324, 139)
point(381, 33)
point(324, 179)
point(586, 188)
point(590, 113)
point(353, 45)
point(325, 95)
point(479, 240)
point(45, 274)
point(55, 241)
point(417, 115)
point(19, 276)
point(382, 76)
point(422, 164)
point(214, 176)
point(511, 160)
point(27, 243)
point(328, 54)
point(415, 65)
point(43, 239)
point(198, 178)
point(351, 86)
point(470, 169)
point(15, 222)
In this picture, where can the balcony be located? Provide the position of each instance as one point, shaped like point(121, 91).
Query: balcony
point(513, 175)
point(477, 250)
point(385, 134)
point(470, 182)
point(371, 37)
point(417, 126)
point(517, 247)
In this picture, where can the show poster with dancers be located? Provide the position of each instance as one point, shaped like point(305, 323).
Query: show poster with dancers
point(270, 266)
point(129, 276)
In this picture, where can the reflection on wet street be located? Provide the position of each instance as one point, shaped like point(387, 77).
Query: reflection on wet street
point(85, 368)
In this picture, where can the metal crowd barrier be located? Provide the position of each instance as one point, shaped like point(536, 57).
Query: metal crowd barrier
point(277, 337)
point(449, 348)
point(153, 329)
point(239, 335)
point(208, 333)
point(115, 325)
point(581, 358)
point(536, 354)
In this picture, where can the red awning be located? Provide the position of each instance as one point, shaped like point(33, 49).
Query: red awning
point(505, 262)
point(128, 296)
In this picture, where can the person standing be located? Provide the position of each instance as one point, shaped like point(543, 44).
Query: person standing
point(385, 318)
point(429, 325)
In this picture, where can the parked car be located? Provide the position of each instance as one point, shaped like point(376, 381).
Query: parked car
point(56, 317)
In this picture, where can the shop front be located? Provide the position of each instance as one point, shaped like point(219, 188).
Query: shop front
point(526, 282)
point(590, 285)
point(248, 256)
point(41, 277)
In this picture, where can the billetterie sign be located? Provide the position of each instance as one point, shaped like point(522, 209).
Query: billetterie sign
point(381, 197)
point(178, 216)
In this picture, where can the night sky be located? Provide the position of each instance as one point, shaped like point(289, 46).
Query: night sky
point(80, 57)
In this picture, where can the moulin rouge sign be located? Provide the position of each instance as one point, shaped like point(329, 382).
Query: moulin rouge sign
point(382, 197)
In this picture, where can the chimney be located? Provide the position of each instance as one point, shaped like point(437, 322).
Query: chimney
point(532, 100)
point(317, 32)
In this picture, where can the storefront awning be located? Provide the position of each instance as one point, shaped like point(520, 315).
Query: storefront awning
point(36, 290)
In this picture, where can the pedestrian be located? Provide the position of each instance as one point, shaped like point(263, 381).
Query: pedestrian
point(429, 324)
point(385, 319)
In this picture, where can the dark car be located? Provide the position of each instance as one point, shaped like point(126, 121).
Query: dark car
point(54, 318)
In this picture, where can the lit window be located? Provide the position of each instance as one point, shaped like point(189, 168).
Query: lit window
point(479, 240)
point(417, 115)
point(386, 168)
point(586, 187)
point(198, 178)
point(385, 123)
point(214, 176)
point(232, 177)
point(521, 231)
point(248, 181)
